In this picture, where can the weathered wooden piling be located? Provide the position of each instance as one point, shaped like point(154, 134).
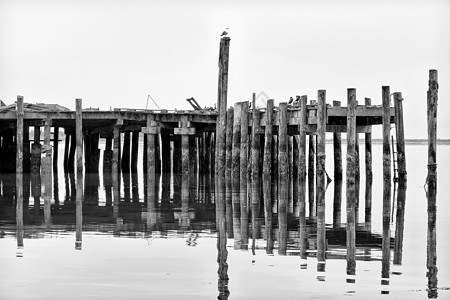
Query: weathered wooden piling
point(243, 169)
point(228, 172)
point(386, 183)
point(151, 130)
point(255, 171)
point(35, 159)
point(267, 175)
point(79, 192)
point(125, 161)
point(55, 148)
point(302, 178)
point(66, 150)
point(108, 153)
point(399, 223)
point(357, 175)
point(19, 171)
point(400, 136)
point(47, 149)
point(134, 150)
point(337, 156)
point(236, 148)
point(166, 166)
point(350, 178)
point(431, 184)
point(321, 178)
point(368, 170)
point(26, 149)
point(311, 175)
point(283, 178)
point(71, 159)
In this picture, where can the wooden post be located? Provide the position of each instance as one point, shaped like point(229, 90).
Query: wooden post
point(255, 182)
point(283, 179)
point(357, 176)
point(321, 178)
point(71, 160)
point(244, 173)
point(228, 172)
point(337, 150)
point(108, 154)
point(311, 176)
point(222, 105)
point(399, 223)
point(47, 162)
point(302, 178)
point(55, 148)
point(36, 151)
point(235, 175)
point(19, 171)
point(386, 183)
point(134, 150)
point(166, 167)
point(151, 162)
point(26, 149)
point(79, 193)
point(267, 173)
point(337, 155)
point(369, 175)
point(350, 178)
point(400, 136)
point(66, 150)
point(432, 102)
point(116, 148)
point(125, 162)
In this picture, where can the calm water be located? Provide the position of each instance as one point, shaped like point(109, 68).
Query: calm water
point(170, 249)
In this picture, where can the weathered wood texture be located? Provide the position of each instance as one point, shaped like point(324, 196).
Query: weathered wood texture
point(79, 192)
point(400, 136)
point(386, 183)
point(302, 179)
point(283, 179)
point(267, 175)
point(350, 178)
point(368, 170)
point(321, 178)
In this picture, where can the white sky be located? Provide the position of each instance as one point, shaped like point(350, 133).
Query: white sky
point(113, 53)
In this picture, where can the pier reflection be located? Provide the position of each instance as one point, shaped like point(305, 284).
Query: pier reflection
point(288, 233)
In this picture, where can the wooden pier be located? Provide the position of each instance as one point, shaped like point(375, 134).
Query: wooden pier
point(231, 148)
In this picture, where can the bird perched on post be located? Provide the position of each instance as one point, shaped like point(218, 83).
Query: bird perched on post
point(291, 100)
point(224, 33)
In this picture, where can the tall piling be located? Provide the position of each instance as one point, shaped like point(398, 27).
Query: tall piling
point(368, 170)
point(267, 175)
point(283, 179)
point(321, 178)
point(350, 178)
point(337, 157)
point(79, 192)
point(36, 151)
point(255, 171)
point(55, 148)
point(66, 150)
point(311, 175)
point(125, 161)
point(236, 149)
point(302, 178)
point(386, 183)
point(400, 136)
point(19, 171)
point(244, 173)
point(228, 172)
point(134, 150)
point(432, 102)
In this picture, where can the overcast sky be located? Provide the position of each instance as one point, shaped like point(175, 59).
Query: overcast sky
point(114, 53)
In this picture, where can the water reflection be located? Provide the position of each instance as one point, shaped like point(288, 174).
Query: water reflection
point(109, 212)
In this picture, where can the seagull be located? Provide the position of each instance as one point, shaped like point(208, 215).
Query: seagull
point(291, 100)
point(225, 32)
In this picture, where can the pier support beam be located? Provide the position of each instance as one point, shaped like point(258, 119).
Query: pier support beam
point(244, 174)
point(350, 177)
point(55, 148)
point(386, 253)
point(19, 172)
point(79, 193)
point(369, 175)
point(283, 178)
point(337, 153)
point(267, 176)
point(302, 178)
point(36, 151)
point(400, 136)
point(321, 178)
point(235, 175)
point(134, 151)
